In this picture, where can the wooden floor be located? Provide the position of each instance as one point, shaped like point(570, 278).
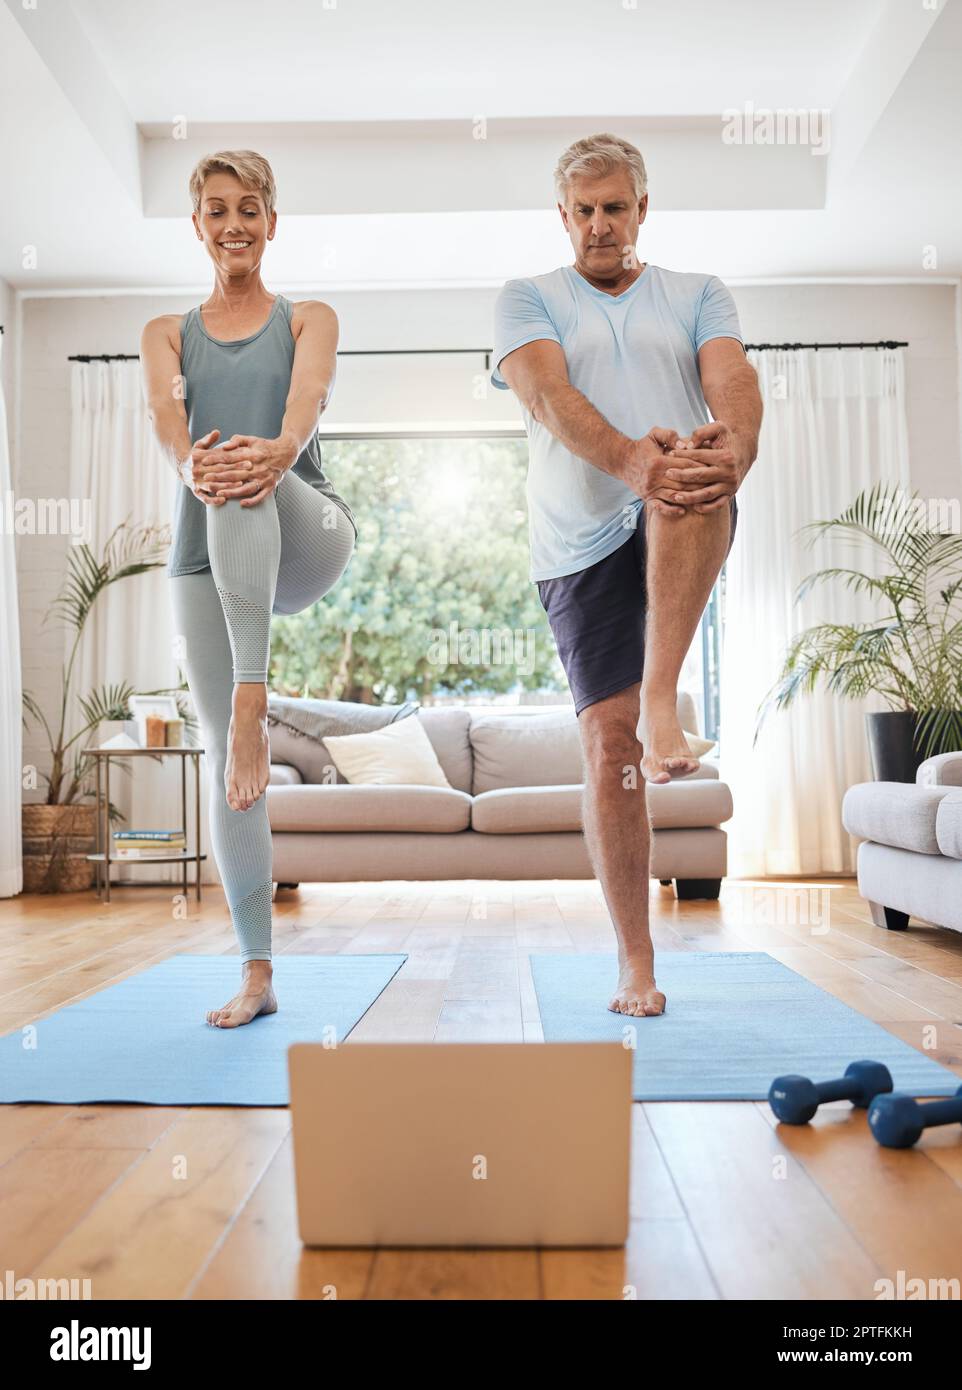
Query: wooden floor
point(723, 1205)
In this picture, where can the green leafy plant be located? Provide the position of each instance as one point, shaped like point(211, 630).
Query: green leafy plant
point(129, 550)
point(443, 543)
point(911, 654)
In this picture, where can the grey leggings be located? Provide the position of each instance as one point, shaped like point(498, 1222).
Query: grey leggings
point(279, 556)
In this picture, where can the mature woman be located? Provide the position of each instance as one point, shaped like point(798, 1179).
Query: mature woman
point(234, 390)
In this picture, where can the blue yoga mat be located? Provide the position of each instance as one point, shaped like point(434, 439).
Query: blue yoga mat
point(734, 1022)
point(146, 1039)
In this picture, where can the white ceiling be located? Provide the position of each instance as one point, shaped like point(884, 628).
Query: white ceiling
point(95, 186)
point(361, 60)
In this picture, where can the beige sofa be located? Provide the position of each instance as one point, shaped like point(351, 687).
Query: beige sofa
point(513, 810)
point(910, 859)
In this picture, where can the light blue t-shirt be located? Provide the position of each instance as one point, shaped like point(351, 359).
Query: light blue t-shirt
point(635, 357)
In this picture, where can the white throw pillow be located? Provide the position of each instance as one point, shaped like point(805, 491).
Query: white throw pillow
point(697, 746)
point(399, 754)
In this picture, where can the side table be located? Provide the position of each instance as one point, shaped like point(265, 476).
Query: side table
point(103, 858)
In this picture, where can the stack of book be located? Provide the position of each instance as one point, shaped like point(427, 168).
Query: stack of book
point(148, 844)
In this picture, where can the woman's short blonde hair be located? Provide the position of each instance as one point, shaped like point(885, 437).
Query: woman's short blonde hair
point(250, 167)
point(596, 155)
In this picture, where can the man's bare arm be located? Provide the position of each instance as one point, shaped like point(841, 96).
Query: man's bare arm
point(538, 375)
point(729, 384)
point(710, 468)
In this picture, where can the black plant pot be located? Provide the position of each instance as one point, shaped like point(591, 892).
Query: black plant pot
point(891, 738)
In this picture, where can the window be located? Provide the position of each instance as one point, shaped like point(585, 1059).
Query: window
point(436, 604)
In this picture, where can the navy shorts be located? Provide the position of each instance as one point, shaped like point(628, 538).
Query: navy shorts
point(597, 617)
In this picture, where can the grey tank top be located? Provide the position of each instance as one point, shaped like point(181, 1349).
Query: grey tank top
point(238, 388)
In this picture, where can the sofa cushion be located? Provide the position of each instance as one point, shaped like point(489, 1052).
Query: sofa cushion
point(447, 728)
point(375, 808)
point(296, 730)
point(900, 814)
point(544, 750)
point(942, 770)
point(683, 804)
point(527, 810)
point(708, 768)
point(283, 775)
point(689, 803)
point(687, 714)
point(948, 824)
point(399, 755)
point(525, 750)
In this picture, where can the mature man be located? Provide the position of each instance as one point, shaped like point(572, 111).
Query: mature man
point(619, 368)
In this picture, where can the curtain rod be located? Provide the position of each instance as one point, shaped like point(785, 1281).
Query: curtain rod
point(486, 352)
point(791, 347)
point(348, 352)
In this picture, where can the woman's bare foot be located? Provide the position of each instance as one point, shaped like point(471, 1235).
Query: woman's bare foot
point(636, 992)
point(248, 767)
point(255, 996)
point(666, 752)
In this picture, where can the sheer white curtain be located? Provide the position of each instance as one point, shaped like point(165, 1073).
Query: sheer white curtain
point(834, 425)
point(11, 743)
point(117, 464)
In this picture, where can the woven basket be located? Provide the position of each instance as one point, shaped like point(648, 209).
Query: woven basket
point(39, 820)
point(56, 841)
point(51, 873)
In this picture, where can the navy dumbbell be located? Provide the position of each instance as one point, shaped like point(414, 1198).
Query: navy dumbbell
point(794, 1099)
point(897, 1121)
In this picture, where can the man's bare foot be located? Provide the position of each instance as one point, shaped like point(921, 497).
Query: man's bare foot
point(248, 767)
point(666, 752)
point(636, 992)
point(255, 996)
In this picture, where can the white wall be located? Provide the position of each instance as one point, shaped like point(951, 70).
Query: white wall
point(7, 304)
point(922, 315)
point(442, 389)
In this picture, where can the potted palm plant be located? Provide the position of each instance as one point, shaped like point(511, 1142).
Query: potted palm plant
point(911, 654)
point(58, 832)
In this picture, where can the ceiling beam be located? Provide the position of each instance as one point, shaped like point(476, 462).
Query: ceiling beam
point(74, 63)
point(331, 168)
point(889, 52)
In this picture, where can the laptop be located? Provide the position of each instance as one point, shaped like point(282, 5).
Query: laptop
point(467, 1144)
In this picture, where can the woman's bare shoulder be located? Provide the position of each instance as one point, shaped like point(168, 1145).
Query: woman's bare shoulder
point(313, 311)
point(164, 328)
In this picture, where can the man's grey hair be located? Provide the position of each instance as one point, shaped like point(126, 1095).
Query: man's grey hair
point(597, 155)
